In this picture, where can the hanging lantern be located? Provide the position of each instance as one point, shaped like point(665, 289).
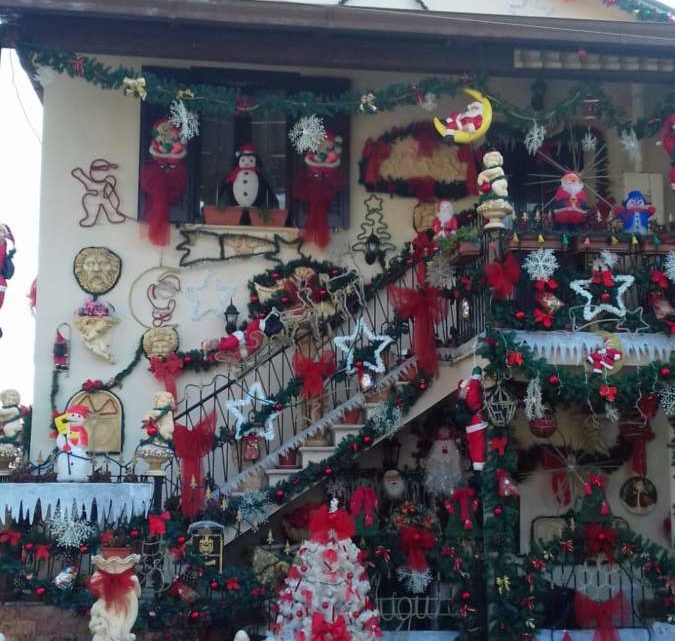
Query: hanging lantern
point(373, 249)
point(231, 316)
point(500, 405)
point(591, 108)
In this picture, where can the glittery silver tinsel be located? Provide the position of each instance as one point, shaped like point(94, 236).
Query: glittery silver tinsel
point(308, 134)
point(69, 531)
point(534, 138)
point(186, 120)
point(631, 145)
point(253, 508)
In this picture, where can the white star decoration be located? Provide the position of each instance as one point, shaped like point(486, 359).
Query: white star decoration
point(254, 396)
point(346, 344)
point(591, 310)
point(211, 289)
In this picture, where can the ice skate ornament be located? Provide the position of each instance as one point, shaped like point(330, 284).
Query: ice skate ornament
point(635, 213)
point(100, 192)
point(470, 125)
point(94, 321)
point(117, 589)
point(72, 439)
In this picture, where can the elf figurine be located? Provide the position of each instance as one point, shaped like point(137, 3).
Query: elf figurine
point(72, 440)
point(635, 213)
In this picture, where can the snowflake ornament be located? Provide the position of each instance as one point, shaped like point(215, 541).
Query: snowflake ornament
point(669, 266)
point(308, 134)
point(540, 264)
point(187, 121)
point(415, 581)
point(534, 138)
point(607, 259)
point(631, 145)
point(386, 420)
point(253, 508)
point(589, 143)
point(667, 399)
point(69, 531)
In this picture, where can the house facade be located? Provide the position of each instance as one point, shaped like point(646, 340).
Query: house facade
point(291, 219)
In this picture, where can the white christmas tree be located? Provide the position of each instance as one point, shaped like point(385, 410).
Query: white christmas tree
point(326, 593)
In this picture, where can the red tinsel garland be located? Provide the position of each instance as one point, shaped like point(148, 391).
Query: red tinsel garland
point(165, 370)
point(604, 615)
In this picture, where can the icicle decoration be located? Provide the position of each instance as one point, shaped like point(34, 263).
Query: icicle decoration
point(308, 134)
point(669, 266)
point(187, 121)
point(631, 145)
point(534, 138)
point(540, 264)
point(534, 403)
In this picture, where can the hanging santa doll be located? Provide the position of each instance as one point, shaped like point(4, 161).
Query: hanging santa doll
point(164, 179)
point(317, 184)
point(668, 141)
point(471, 392)
point(6, 264)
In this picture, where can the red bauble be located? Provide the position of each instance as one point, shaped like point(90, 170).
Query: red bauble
point(325, 605)
point(605, 296)
point(180, 540)
point(214, 585)
point(367, 439)
point(553, 379)
point(328, 471)
point(195, 614)
point(466, 596)
point(39, 590)
point(84, 549)
point(279, 494)
point(152, 430)
point(665, 372)
point(134, 534)
point(497, 511)
point(422, 385)
point(28, 547)
point(520, 315)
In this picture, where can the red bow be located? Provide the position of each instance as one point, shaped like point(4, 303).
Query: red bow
point(165, 370)
point(112, 588)
point(514, 359)
point(157, 523)
point(322, 523)
point(90, 385)
point(415, 542)
point(608, 392)
point(543, 283)
point(659, 279)
point(600, 539)
point(232, 585)
point(383, 552)
point(312, 372)
point(317, 187)
point(11, 536)
point(41, 552)
point(190, 446)
point(503, 277)
point(323, 630)
point(426, 306)
point(605, 615)
point(422, 247)
point(498, 444)
point(364, 500)
point(603, 277)
point(543, 318)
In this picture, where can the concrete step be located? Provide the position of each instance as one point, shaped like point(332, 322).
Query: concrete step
point(342, 431)
point(280, 474)
point(315, 454)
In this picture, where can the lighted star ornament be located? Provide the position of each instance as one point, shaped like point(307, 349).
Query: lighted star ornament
point(253, 397)
point(211, 289)
point(347, 345)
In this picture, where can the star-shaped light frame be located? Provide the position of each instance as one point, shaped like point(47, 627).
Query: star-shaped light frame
point(591, 310)
point(196, 295)
point(346, 345)
point(253, 396)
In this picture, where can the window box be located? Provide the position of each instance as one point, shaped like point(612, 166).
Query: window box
point(214, 215)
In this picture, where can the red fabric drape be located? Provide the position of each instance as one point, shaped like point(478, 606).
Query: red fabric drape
point(190, 446)
point(313, 373)
point(318, 188)
point(503, 277)
point(464, 495)
point(364, 500)
point(415, 543)
point(605, 616)
point(112, 588)
point(555, 462)
point(422, 246)
point(165, 370)
point(322, 522)
point(164, 185)
point(426, 307)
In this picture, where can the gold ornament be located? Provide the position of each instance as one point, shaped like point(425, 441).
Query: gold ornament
point(97, 270)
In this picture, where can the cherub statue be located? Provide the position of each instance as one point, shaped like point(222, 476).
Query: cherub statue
point(94, 333)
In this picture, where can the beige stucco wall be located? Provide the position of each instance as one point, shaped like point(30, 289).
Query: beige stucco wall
point(82, 122)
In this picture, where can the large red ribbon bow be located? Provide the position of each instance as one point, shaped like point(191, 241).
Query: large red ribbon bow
point(364, 501)
point(157, 523)
point(426, 307)
point(112, 588)
point(165, 370)
point(317, 186)
point(604, 615)
point(190, 446)
point(600, 539)
point(313, 373)
point(323, 630)
point(41, 551)
point(415, 542)
point(503, 277)
point(543, 318)
point(11, 536)
point(324, 525)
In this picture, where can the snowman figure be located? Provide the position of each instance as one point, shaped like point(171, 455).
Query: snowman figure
point(635, 213)
point(246, 185)
point(72, 462)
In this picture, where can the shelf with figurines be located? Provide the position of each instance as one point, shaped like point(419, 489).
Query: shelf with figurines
point(458, 242)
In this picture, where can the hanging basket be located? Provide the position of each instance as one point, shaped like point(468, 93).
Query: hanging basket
point(544, 427)
point(500, 405)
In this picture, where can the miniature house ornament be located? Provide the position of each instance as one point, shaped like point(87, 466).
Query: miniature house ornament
point(72, 440)
point(494, 189)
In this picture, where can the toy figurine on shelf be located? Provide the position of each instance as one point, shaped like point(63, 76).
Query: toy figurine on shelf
point(635, 213)
point(570, 208)
point(72, 439)
point(246, 186)
point(494, 202)
point(445, 224)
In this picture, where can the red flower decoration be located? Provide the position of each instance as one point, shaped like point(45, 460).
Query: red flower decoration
point(608, 392)
point(514, 359)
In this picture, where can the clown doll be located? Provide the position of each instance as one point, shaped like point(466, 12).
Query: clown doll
point(72, 440)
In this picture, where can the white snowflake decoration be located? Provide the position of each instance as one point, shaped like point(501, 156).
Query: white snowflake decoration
point(187, 121)
point(534, 138)
point(607, 260)
point(415, 581)
point(631, 145)
point(534, 404)
point(667, 399)
point(440, 272)
point(669, 266)
point(308, 134)
point(253, 508)
point(589, 143)
point(540, 264)
point(69, 531)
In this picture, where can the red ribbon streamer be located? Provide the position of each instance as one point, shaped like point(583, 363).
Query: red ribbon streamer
point(604, 615)
point(415, 542)
point(112, 588)
point(313, 373)
point(426, 306)
point(165, 370)
point(462, 496)
point(600, 539)
point(323, 630)
point(318, 187)
point(364, 500)
point(157, 523)
point(423, 246)
point(322, 523)
point(164, 185)
point(503, 277)
point(555, 462)
point(190, 446)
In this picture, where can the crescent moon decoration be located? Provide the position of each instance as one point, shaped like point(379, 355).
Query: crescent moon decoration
point(463, 137)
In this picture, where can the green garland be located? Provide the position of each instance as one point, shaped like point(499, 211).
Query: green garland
point(212, 99)
point(642, 11)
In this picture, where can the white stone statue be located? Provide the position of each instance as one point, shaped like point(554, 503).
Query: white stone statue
point(11, 426)
point(113, 621)
point(494, 189)
point(157, 446)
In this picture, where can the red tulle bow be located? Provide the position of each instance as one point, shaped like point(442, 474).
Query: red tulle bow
point(165, 370)
point(503, 277)
point(41, 552)
point(325, 525)
point(164, 185)
point(415, 542)
point(543, 283)
point(426, 306)
point(543, 318)
point(190, 446)
point(608, 392)
point(498, 444)
point(606, 616)
point(659, 279)
point(323, 630)
point(90, 385)
point(364, 501)
point(603, 277)
point(514, 359)
point(11, 536)
point(317, 187)
point(600, 539)
point(157, 523)
point(313, 373)
point(112, 588)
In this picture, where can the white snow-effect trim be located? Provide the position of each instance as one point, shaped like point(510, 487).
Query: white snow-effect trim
point(591, 310)
point(113, 500)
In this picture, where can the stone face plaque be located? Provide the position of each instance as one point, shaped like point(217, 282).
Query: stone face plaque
point(29, 622)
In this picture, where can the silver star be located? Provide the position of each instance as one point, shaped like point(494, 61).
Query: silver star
point(210, 289)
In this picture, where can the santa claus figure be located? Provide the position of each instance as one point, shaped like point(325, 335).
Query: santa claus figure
point(469, 120)
point(72, 440)
point(635, 213)
point(442, 465)
point(243, 343)
point(470, 391)
point(570, 206)
point(604, 358)
point(393, 485)
point(445, 224)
